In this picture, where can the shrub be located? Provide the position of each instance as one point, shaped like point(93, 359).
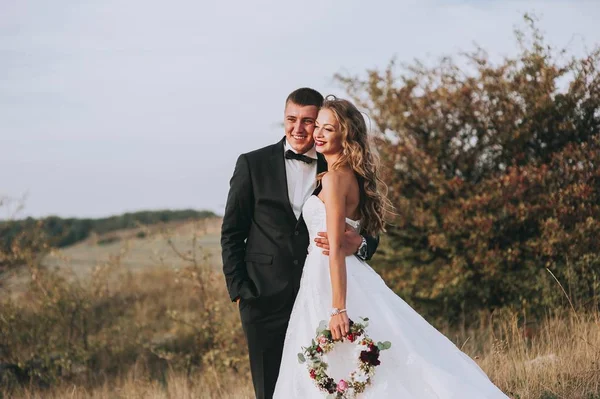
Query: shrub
point(494, 173)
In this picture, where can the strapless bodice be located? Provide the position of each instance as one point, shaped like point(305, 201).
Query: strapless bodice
point(315, 217)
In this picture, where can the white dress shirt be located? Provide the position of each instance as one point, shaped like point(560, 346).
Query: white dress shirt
point(301, 178)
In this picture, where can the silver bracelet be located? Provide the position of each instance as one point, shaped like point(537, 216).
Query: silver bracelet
point(336, 311)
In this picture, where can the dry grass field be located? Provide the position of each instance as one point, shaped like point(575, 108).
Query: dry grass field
point(149, 318)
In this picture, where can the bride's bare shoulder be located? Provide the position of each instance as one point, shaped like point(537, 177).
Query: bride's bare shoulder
point(336, 180)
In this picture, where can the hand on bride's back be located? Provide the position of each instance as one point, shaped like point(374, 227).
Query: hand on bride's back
point(352, 241)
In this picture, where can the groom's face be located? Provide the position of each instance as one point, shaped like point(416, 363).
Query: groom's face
point(299, 122)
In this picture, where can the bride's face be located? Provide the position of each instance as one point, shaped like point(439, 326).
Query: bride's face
point(327, 134)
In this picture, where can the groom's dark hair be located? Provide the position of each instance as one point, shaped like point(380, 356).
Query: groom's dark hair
point(305, 96)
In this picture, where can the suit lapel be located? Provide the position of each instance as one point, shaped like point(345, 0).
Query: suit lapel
point(321, 167)
point(321, 163)
point(280, 177)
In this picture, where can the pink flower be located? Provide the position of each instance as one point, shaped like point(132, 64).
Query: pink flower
point(322, 340)
point(342, 386)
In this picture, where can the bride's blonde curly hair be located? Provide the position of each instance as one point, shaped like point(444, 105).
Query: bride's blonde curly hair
point(357, 154)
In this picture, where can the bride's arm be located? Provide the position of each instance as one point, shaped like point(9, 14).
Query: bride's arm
point(334, 197)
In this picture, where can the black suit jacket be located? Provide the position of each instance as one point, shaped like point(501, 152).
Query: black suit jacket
point(263, 245)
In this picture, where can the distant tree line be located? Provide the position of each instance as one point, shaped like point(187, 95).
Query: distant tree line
point(59, 232)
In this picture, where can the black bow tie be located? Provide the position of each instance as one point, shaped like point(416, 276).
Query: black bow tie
point(289, 154)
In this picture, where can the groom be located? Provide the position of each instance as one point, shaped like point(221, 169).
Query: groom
point(264, 238)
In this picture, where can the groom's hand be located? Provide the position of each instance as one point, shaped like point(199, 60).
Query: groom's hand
point(350, 244)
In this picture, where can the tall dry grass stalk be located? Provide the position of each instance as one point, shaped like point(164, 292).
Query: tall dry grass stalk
point(559, 357)
point(136, 385)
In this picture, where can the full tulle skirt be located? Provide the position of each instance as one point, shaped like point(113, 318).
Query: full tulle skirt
point(421, 363)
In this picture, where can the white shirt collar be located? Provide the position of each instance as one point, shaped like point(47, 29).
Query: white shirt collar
point(312, 153)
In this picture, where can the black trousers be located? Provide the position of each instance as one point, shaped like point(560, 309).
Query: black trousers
point(265, 327)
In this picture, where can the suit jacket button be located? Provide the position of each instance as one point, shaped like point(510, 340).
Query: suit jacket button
point(296, 233)
point(295, 261)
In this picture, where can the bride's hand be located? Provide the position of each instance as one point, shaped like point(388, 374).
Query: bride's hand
point(339, 325)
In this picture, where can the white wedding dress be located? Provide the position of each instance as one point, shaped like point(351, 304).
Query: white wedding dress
point(421, 364)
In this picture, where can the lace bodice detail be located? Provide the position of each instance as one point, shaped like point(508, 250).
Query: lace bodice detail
point(315, 217)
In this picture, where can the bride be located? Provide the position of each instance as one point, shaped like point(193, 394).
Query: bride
point(422, 363)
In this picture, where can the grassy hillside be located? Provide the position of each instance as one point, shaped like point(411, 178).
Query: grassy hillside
point(37, 236)
point(67, 231)
point(169, 245)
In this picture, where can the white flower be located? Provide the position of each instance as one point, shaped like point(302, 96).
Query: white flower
point(361, 377)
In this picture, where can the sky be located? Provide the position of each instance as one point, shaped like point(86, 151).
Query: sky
point(115, 106)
